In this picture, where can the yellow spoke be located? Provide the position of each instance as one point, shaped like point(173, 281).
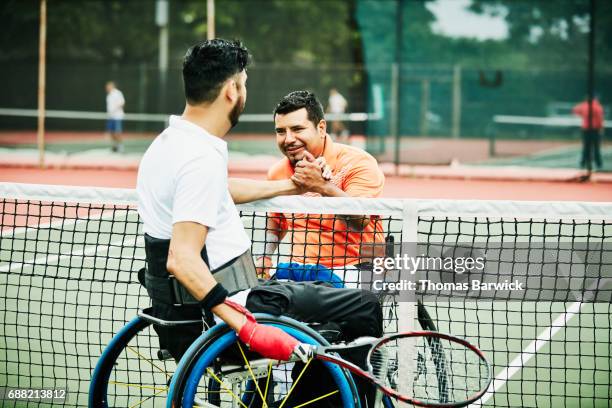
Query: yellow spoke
point(212, 373)
point(146, 399)
point(144, 387)
point(317, 399)
point(268, 380)
point(133, 350)
point(265, 404)
point(295, 383)
point(219, 392)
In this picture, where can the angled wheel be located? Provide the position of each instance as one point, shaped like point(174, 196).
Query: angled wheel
point(132, 371)
point(218, 370)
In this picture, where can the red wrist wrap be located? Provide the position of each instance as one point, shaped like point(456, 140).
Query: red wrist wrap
point(269, 341)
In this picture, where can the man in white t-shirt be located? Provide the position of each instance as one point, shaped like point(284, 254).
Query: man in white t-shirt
point(186, 200)
point(114, 110)
point(337, 105)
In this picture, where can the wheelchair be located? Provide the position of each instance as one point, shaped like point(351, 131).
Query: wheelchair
point(216, 370)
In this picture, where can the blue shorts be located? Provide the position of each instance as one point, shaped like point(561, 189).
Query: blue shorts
point(114, 126)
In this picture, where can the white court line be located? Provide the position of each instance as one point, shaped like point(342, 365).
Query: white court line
point(46, 260)
point(61, 222)
point(47, 225)
point(530, 351)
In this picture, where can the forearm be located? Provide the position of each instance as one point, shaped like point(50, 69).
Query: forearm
point(246, 190)
point(354, 222)
point(192, 273)
point(274, 235)
point(232, 317)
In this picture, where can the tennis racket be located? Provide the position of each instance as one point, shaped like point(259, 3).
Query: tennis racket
point(423, 368)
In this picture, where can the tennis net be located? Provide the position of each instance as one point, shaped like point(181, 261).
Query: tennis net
point(69, 258)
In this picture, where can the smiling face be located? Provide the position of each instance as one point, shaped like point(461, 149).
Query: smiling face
point(295, 134)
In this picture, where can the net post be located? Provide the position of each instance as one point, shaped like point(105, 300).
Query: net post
point(406, 308)
point(42, 57)
point(394, 114)
point(456, 101)
point(425, 96)
point(210, 19)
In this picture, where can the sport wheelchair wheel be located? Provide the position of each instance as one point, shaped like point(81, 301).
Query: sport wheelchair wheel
point(218, 371)
point(133, 371)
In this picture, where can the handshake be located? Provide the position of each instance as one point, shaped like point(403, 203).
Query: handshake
point(312, 175)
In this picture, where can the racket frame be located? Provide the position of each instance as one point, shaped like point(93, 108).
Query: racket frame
point(324, 353)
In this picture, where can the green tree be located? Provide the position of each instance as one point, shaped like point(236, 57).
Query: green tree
point(96, 31)
point(114, 31)
point(553, 34)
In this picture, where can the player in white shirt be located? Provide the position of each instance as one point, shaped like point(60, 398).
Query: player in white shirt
point(186, 200)
point(114, 110)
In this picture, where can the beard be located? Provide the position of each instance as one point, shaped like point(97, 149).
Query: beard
point(236, 111)
point(293, 159)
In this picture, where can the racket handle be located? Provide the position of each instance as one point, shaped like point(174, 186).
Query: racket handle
point(303, 352)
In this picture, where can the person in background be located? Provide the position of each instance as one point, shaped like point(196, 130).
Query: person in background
point(337, 105)
point(592, 133)
point(114, 109)
point(321, 244)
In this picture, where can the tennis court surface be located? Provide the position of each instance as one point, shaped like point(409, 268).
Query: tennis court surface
point(69, 258)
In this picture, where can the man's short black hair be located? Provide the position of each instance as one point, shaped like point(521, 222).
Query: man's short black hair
point(208, 65)
point(301, 99)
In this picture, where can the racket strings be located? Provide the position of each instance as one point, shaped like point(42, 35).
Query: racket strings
point(430, 369)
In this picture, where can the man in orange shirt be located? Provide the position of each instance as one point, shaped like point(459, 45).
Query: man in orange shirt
point(591, 132)
point(340, 243)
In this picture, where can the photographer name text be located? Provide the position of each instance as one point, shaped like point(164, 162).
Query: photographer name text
point(428, 285)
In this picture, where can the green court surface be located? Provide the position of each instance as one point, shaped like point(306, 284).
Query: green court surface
point(555, 153)
point(69, 282)
point(570, 369)
point(138, 145)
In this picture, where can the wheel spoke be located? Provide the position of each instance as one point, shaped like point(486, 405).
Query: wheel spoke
point(295, 383)
point(146, 399)
point(213, 375)
point(268, 380)
point(246, 361)
point(133, 350)
point(144, 387)
point(317, 399)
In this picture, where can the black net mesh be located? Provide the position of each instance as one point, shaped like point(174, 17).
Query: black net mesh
point(69, 283)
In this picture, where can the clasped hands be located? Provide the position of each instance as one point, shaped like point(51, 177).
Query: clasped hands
point(311, 175)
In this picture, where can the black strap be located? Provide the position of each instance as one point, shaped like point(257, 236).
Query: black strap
point(164, 287)
point(217, 295)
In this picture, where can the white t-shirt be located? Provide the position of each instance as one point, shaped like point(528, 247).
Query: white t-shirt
point(114, 104)
point(337, 103)
point(183, 177)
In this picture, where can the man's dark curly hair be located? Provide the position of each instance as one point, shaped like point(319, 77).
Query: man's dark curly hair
point(301, 99)
point(208, 65)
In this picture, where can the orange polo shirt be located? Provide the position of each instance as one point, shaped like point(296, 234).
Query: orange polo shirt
point(325, 239)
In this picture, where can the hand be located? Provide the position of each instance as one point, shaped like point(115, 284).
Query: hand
point(308, 174)
point(271, 342)
point(263, 264)
point(325, 169)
